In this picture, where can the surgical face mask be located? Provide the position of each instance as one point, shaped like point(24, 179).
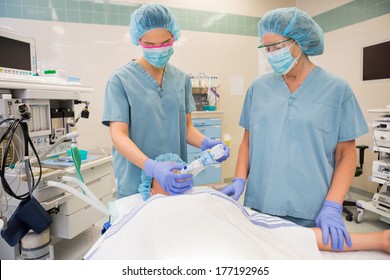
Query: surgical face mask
point(158, 57)
point(281, 60)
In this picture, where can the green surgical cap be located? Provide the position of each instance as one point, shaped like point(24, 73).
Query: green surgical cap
point(296, 24)
point(149, 17)
point(146, 181)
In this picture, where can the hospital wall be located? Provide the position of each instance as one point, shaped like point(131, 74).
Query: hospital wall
point(90, 39)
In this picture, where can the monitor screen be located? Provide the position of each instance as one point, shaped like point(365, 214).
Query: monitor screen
point(17, 54)
point(376, 62)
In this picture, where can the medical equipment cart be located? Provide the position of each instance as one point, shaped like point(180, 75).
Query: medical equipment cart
point(380, 203)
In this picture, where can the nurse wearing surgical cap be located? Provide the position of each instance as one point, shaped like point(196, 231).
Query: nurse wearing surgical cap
point(298, 150)
point(147, 107)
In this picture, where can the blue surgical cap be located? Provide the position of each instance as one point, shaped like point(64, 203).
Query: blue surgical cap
point(146, 181)
point(149, 17)
point(296, 24)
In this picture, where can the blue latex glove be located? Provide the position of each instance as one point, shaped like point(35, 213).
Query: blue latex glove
point(235, 189)
point(172, 183)
point(330, 222)
point(208, 143)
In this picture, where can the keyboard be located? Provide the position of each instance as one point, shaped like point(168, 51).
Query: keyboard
point(5, 77)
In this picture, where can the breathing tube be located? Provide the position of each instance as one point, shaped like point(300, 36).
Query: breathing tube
point(89, 198)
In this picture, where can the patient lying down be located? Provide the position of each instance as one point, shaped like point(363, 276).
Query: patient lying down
point(205, 224)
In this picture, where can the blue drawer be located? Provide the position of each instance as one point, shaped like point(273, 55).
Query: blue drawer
point(201, 122)
point(192, 150)
point(212, 131)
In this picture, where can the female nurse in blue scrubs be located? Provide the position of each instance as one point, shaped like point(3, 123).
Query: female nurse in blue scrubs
point(298, 150)
point(148, 105)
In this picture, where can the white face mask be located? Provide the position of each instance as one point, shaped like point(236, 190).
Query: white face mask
point(158, 57)
point(282, 61)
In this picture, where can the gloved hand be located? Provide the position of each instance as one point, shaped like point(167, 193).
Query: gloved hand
point(171, 182)
point(330, 222)
point(235, 189)
point(208, 143)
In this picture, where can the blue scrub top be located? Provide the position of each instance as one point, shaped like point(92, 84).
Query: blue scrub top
point(293, 139)
point(156, 117)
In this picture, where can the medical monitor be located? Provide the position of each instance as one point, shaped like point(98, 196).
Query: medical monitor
point(376, 61)
point(17, 54)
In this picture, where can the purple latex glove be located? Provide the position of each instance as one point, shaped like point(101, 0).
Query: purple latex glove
point(171, 182)
point(208, 143)
point(330, 222)
point(235, 189)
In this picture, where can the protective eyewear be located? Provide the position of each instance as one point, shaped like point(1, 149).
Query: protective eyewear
point(152, 46)
point(267, 48)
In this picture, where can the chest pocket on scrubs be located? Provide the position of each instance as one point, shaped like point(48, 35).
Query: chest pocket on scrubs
point(324, 116)
point(181, 99)
point(260, 112)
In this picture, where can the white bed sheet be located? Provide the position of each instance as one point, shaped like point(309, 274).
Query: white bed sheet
point(205, 224)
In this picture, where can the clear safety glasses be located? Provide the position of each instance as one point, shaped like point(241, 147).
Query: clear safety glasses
point(267, 48)
point(148, 45)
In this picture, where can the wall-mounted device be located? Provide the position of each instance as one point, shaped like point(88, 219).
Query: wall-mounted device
point(17, 54)
point(376, 61)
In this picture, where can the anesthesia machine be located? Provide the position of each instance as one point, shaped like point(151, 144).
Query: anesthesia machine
point(44, 177)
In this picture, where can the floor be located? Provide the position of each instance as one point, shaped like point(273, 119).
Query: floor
point(77, 247)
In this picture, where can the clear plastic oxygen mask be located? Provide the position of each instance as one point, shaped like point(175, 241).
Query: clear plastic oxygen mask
point(204, 159)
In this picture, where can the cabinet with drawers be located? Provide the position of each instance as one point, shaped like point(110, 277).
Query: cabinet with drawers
point(209, 124)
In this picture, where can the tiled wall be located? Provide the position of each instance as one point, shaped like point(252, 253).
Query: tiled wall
point(87, 11)
point(351, 13)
